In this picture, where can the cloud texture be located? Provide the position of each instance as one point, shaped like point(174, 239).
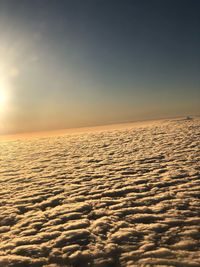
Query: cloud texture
point(125, 197)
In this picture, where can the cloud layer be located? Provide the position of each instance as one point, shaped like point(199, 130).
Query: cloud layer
point(125, 197)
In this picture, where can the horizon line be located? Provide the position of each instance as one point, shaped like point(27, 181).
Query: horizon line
point(84, 128)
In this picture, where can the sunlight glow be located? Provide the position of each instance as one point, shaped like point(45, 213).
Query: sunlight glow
point(3, 98)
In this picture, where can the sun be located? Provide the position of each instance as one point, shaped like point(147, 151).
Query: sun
point(3, 98)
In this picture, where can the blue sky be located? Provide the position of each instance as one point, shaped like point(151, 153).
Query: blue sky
point(82, 63)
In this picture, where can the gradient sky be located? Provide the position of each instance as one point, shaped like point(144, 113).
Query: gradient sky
point(74, 63)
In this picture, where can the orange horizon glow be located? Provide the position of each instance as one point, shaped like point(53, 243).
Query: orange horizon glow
point(87, 129)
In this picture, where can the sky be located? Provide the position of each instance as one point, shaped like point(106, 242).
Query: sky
point(75, 63)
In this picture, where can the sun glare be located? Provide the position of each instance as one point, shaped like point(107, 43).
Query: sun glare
point(2, 98)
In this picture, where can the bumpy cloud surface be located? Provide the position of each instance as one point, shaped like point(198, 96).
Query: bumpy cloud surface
point(123, 197)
